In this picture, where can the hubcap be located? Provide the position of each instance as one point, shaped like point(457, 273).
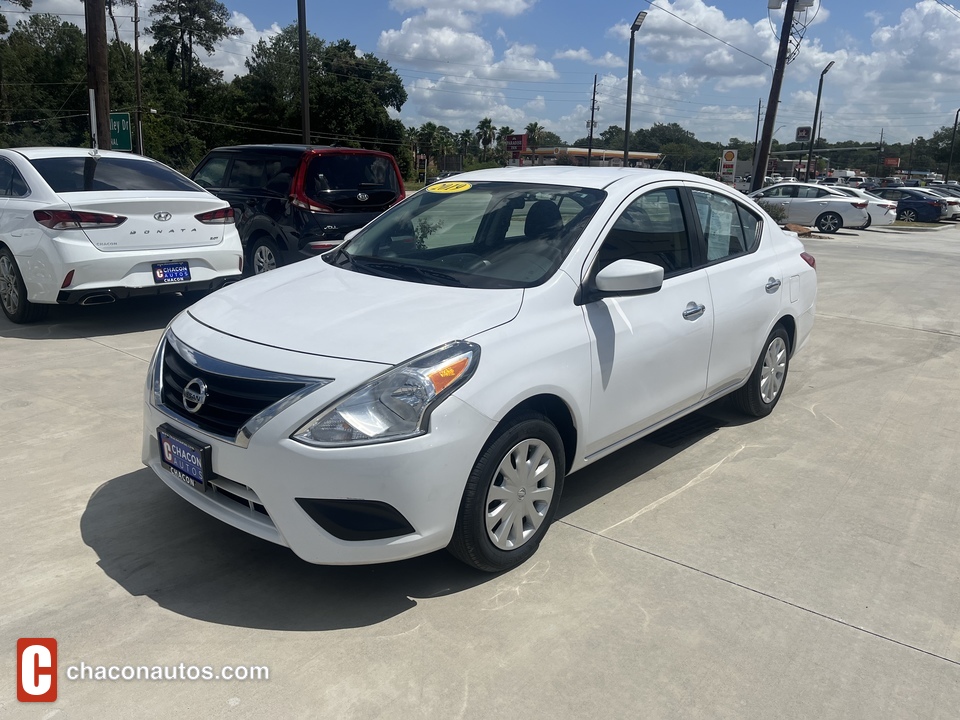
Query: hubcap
point(520, 494)
point(773, 371)
point(829, 224)
point(263, 260)
point(9, 295)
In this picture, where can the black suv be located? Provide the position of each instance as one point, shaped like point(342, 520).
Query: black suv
point(296, 201)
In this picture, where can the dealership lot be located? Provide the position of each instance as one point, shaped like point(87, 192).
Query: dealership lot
point(804, 565)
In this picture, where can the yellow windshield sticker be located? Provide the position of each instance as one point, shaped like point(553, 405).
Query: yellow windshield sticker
point(449, 187)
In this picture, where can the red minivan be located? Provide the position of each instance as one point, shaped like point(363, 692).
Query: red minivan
point(296, 201)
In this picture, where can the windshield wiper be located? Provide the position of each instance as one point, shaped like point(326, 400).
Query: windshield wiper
point(402, 271)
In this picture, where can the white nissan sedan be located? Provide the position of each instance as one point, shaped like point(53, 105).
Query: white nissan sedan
point(431, 382)
point(78, 226)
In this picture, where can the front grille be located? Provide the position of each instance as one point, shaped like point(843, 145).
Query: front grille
point(231, 401)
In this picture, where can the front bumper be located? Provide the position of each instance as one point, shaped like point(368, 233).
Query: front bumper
point(270, 487)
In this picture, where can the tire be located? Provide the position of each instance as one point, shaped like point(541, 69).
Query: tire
point(908, 215)
point(484, 537)
point(13, 292)
point(829, 222)
point(765, 386)
point(869, 220)
point(264, 256)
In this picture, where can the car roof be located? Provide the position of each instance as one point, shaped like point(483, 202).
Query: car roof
point(36, 153)
point(290, 148)
point(574, 176)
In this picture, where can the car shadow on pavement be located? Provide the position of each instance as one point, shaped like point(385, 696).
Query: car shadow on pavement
point(153, 543)
point(119, 318)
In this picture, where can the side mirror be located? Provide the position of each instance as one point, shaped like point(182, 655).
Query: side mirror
point(623, 277)
point(629, 277)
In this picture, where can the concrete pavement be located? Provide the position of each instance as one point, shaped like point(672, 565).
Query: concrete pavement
point(801, 566)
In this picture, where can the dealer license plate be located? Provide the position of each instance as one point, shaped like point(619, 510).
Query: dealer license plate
point(185, 457)
point(171, 272)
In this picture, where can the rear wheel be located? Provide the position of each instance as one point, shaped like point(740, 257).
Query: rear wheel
point(13, 292)
point(264, 256)
point(829, 222)
point(511, 495)
point(763, 390)
point(908, 215)
point(869, 220)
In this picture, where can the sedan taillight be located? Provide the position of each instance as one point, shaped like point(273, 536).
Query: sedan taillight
point(70, 220)
point(221, 216)
point(859, 205)
point(809, 259)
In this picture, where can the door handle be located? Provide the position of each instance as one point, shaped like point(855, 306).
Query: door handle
point(772, 285)
point(693, 311)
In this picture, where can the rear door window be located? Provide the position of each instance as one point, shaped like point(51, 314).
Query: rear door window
point(212, 172)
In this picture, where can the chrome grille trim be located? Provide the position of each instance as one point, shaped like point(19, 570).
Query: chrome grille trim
point(221, 368)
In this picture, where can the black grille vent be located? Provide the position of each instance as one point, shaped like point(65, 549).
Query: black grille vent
point(231, 401)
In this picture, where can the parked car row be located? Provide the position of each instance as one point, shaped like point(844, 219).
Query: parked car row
point(816, 205)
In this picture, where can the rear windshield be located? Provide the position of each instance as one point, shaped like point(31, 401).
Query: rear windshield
point(84, 174)
point(350, 172)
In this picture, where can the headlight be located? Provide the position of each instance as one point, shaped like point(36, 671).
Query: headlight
point(397, 404)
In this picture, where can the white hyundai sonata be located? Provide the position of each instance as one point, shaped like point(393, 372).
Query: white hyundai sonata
point(430, 383)
point(78, 226)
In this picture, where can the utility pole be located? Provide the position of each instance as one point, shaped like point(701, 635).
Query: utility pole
point(138, 117)
point(879, 154)
point(304, 78)
point(756, 136)
point(95, 15)
point(763, 152)
point(952, 140)
point(593, 109)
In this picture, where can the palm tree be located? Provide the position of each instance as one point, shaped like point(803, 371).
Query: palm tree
point(426, 136)
point(443, 145)
point(485, 134)
point(534, 138)
point(503, 132)
point(464, 141)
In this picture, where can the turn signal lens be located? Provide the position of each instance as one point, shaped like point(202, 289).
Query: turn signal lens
point(809, 259)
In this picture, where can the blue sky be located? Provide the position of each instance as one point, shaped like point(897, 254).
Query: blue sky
point(704, 64)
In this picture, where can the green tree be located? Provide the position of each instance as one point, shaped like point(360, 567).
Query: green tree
point(182, 25)
point(25, 4)
point(485, 135)
point(534, 132)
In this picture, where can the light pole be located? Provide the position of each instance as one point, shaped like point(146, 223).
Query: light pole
point(816, 114)
point(626, 129)
point(952, 138)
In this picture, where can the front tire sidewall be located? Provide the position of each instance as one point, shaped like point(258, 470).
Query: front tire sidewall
point(471, 542)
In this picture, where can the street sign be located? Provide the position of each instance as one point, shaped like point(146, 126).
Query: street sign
point(121, 135)
point(804, 133)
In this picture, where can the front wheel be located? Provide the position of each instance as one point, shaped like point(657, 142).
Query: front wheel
point(264, 256)
point(13, 292)
point(765, 386)
point(829, 222)
point(908, 215)
point(511, 495)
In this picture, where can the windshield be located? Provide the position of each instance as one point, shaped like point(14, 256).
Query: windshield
point(480, 235)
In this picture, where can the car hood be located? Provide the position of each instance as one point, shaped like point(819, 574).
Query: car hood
point(312, 307)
